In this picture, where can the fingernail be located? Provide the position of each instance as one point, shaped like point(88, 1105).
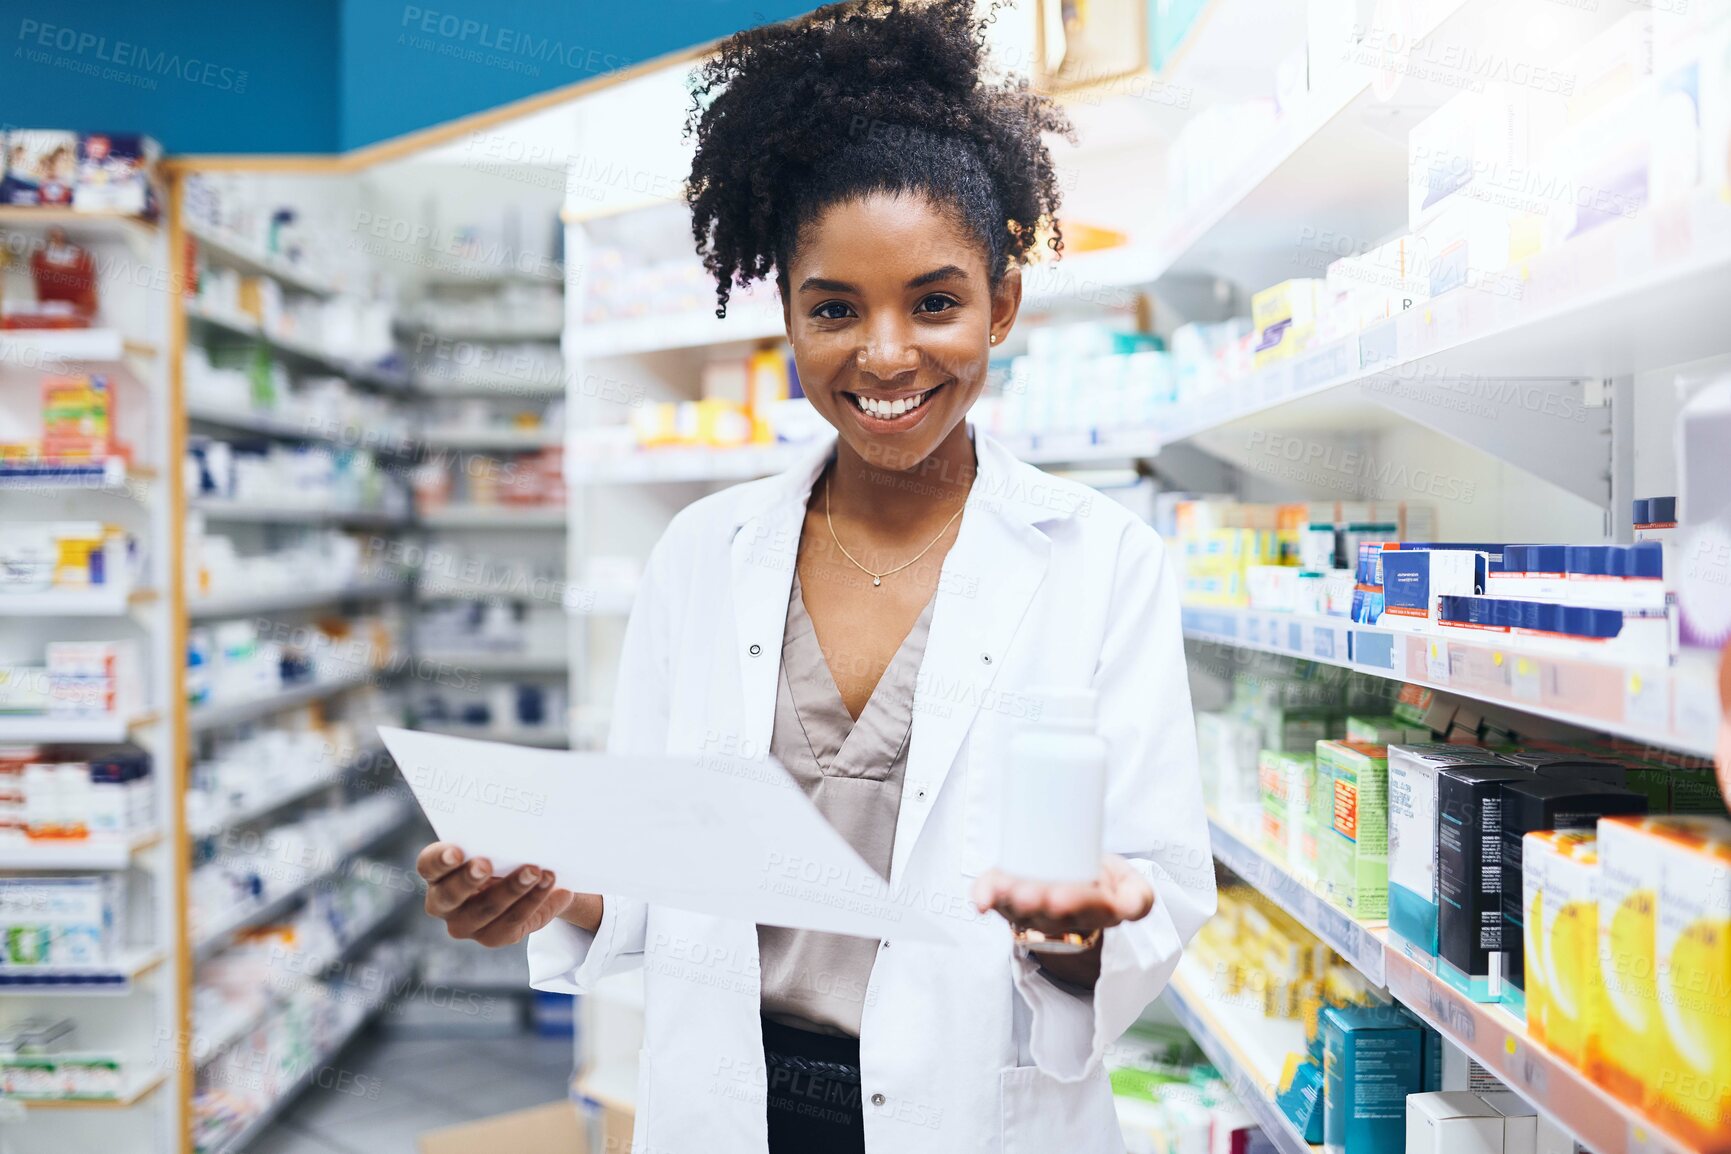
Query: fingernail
point(451, 856)
point(530, 877)
point(477, 872)
point(546, 880)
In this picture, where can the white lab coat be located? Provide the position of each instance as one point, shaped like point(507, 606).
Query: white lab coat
point(964, 1047)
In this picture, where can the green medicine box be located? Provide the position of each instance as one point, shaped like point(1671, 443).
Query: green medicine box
point(1352, 850)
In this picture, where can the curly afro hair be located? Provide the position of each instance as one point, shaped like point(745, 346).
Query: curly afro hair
point(858, 98)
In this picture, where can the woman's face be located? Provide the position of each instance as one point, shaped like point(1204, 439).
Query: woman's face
point(889, 309)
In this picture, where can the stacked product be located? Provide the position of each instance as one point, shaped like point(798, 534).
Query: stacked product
point(78, 425)
point(90, 171)
point(77, 680)
point(516, 705)
point(1081, 377)
point(62, 556)
point(40, 1061)
point(246, 774)
point(747, 400)
point(249, 381)
point(317, 560)
point(313, 477)
point(305, 1026)
point(248, 659)
point(1169, 1102)
point(62, 921)
point(535, 479)
point(250, 869)
point(62, 795)
point(515, 307)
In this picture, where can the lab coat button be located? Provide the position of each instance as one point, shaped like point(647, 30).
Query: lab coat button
point(877, 1099)
point(985, 658)
point(756, 649)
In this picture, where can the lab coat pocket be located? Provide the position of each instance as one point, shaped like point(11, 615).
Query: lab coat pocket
point(1041, 1114)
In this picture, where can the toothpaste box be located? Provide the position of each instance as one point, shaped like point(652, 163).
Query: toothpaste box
point(1413, 580)
point(1352, 850)
point(1469, 877)
point(1560, 932)
point(1544, 803)
point(1412, 841)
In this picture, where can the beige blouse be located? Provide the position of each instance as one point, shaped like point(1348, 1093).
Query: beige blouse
point(852, 771)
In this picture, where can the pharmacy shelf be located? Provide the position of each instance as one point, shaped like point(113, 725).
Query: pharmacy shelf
point(305, 352)
point(1498, 1041)
point(263, 806)
point(527, 334)
point(544, 737)
point(137, 1088)
point(265, 512)
point(256, 1127)
point(1676, 707)
point(32, 730)
point(302, 428)
point(115, 977)
point(1360, 943)
point(244, 604)
point(495, 517)
point(1226, 1034)
point(212, 939)
point(367, 934)
point(522, 440)
point(98, 601)
point(497, 386)
point(77, 222)
point(110, 473)
point(217, 715)
point(500, 664)
point(52, 348)
point(90, 853)
point(237, 253)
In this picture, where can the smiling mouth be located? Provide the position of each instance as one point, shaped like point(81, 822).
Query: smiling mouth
point(888, 409)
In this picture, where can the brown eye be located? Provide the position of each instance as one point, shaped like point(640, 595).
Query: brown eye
point(937, 303)
point(832, 311)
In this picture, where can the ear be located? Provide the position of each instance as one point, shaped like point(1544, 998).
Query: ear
point(1007, 303)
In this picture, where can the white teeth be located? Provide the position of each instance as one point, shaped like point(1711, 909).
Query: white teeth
point(888, 409)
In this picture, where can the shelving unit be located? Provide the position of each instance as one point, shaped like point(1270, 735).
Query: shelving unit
point(139, 988)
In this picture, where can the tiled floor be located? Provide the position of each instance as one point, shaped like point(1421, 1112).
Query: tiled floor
point(383, 1092)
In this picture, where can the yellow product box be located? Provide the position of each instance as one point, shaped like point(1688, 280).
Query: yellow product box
point(1689, 1087)
point(1623, 1030)
point(1561, 935)
point(1284, 317)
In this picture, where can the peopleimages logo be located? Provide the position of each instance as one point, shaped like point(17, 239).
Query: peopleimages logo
point(507, 43)
point(35, 37)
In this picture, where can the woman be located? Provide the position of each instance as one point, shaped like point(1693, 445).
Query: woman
point(877, 618)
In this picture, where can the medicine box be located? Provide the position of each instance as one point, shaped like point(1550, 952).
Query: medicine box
point(114, 173)
point(1689, 1087)
point(1452, 1122)
point(1560, 932)
point(1352, 851)
point(1413, 579)
point(1623, 1039)
point(1469, 877)
point(1285, 319)
point(1520, 1121)
point(1373, 1060)
point(1544, 803)
point(1412, 841)
point(1299, 1097)
point(1382, 730)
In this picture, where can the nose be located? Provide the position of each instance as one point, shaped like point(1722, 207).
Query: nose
point(888, 351)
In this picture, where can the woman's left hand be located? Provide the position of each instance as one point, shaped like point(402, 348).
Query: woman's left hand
point(1118, 895)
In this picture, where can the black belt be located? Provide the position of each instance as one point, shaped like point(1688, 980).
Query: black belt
point(814, 1101)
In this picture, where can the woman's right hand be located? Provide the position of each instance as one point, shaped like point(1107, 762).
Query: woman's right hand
point(493, 911)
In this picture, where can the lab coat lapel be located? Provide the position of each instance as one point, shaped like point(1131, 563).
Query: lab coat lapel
point(988, 582)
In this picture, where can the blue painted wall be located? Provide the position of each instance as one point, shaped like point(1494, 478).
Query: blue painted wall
point(323, 76)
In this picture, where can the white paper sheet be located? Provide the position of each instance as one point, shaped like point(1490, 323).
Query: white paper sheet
point(715, 835)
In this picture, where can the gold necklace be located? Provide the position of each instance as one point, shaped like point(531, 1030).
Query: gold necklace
point(878, 578)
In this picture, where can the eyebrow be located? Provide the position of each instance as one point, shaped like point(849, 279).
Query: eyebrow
point(823, 284)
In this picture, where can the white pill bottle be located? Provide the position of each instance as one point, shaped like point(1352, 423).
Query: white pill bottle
point(1054, 805)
